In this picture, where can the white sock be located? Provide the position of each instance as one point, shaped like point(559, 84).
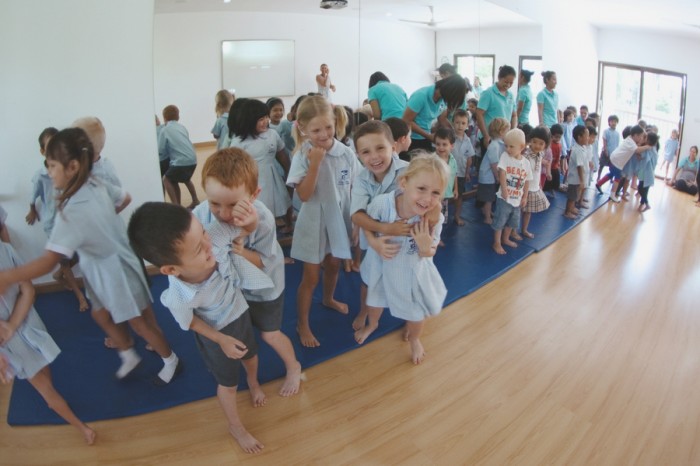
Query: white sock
point(130, 359)
point(169, 365)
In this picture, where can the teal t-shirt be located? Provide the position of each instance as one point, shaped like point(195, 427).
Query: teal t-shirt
point(550, 100)
point(391, 98)
point(496, 105)
point(425, 107)
point(525, 96)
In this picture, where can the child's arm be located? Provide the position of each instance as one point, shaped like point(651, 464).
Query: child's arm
point(481, 124)
point(283, 158)
point(526, 189)
point(124, 204)
point(19, 312)
point(306, 187)
point(232, 347)
point(383, 245)
point(641, 149)
point(367, 223)
point(36, 268)
point(245, 216)
point(502, 182)
point(421, 234)
point(33, 215)
point(455, 189)
point(250, 255)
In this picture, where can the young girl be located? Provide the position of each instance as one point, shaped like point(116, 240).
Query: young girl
point(285, 127)
point(409, 284)
point(536, 200)
point(87, 224)
point(223, 100)
point(275, 108)
point(670, 153)
point(251, 133)
point(645, 171)
point(322, 172)
point(488, 170)
point(26, 349)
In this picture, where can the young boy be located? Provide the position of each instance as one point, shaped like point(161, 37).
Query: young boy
point(514, 176)
point(464, 155)
point(576, 178)
point(611, 139)
point(401, 133)
point(444, 141)
point(556, 148)
point(174, 143)
point(101, 167)
point(203, 296)
point(230, 180)
point(621, 156)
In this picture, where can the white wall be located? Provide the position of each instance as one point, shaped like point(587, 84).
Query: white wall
point(187, 57)
point(63, 60)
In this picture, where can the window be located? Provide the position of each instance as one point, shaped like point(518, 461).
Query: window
point(476, 66)
point(533, 64)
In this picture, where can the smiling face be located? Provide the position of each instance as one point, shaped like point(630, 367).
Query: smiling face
point(422, 192)
point(194, 251)
point(263, 124)
point(276, 114)
point(506, 82)
point(514, 148)
point(443, 148)
point(222, 199)
point(537, 145)
point(375, 152)
point(320, 130)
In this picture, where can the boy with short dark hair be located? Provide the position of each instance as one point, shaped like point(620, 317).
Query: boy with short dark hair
point(174, 144)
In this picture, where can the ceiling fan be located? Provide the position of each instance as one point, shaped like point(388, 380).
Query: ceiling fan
point(431, 23)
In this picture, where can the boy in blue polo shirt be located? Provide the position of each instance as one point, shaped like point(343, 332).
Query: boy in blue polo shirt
point(174, 143)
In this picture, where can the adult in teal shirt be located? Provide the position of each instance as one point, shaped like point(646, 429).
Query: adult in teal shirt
point(386, 98)
point(548, 101)
point(524, 97)
point(424, 106)
point(497, 102)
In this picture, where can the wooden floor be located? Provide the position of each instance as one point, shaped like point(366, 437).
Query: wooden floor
point(587, 353)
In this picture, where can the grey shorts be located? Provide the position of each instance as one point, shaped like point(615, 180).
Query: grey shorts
point(267, 315)
point(572, 192)
point(224, 369)
point(460, 185)
point(506, 215)
point(486, 192)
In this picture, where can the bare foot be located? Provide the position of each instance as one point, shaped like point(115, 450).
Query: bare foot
point(459, 221)
point(499, 249)
point(406, 334)
point(288, 260)
point(362, 334)
point(570, 216)
point(510, 243)
point(516, 236)
point(248, 443)
point(307, 338)
point(527, 234)
point(359, 322)
point(336, 306)
point(291, 381)
point(257, 395)
point(83, 304)
point(417, 351)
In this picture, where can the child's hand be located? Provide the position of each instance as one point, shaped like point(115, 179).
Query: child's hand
point(398, 228)
point(355, 238)
point(467, 177)
point(244, 214)
point(423, 238)
point(32, 217)
point(237, 245)
point(6, 332)
point(316, 155)
point(233, 348)
point(385, 247)
point(523, 201)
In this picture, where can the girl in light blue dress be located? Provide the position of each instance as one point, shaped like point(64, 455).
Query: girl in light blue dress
point(409, 284)
point(87, 223)
point(26, 348)
point(222, 104)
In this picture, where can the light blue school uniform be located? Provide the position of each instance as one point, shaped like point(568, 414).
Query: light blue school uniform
point(567, 139)
point(492, 156)
point(449, 189)
point(103, 169)
point(220, 131)
point(263, 149)
point(3, 216)
point(611, 137)
point(284, 129)
point(525, 96)
point(409, 285)
point(161, 157)
point(31, 348)
point(43, 190)
point(646, 166)
point(174, 142)
point(496, 105)
point(550, 100)
point(462, 150)
point(425, 107)
point(578, 159)
point(391, 97)
point(670, 149)
point(113, 275)
point(323, 224)
point(580, 121)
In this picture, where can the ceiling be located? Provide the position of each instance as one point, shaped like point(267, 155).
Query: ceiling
point(672, 16)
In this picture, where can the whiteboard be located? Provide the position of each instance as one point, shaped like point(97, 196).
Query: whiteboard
point(258, 68)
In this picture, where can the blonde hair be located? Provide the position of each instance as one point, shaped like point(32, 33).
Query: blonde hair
point(95, 130)
point(430, 163)
point(310, 108)
point(341, 122)
point(497, 127)
point(232, 167)
point(223, 101)
point(515, 136)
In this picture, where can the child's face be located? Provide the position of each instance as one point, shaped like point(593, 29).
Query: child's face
point(639, 138)
point(422, 192)
point(61, 175)
point(276, 114)
point(612, 124)
point(515, 148)
point(460, 124)
point(537, 145)
point(263, 124)
point(472, 107)
point(591, 138)
point(443, 147)
point(569, 117)
point(403, 143)
point(375, 152)
point(582, 138)
point(44, 143)
point(320, 130)
point(222, 200)
point(584, 113)
point(556, 138)
point(674, 135)
point(194, 252)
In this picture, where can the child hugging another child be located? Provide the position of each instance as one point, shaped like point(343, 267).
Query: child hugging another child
point(536, 200)
point(514, 176)
point(322, 171)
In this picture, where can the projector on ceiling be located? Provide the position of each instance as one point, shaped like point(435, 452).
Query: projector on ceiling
point(333, 4)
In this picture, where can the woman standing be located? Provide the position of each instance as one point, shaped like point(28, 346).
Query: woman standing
point(548, 101)
point(524, 97)
point(386, 98)
point(497, 102)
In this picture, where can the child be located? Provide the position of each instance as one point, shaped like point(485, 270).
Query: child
point(554, 180)
point(275, 107)
point(583, 115)
point(488, 170)
point(87, 224)
point(670, 153)
point(621, 156)
point(409, 283)
point(536, 200)
point(43, 189)
point(250, 132)
point(4, 234)
point(592, 153)
point(611, 139)
point(401, 134)
point(645, 171)
point(102, 168)
point(577, 173)
point(374, 143)
point(203, 295)
point(473, 130)
point(222, 104)
point(322, 172)
point(230, 180)
point(463, 152)
point(27, 346)
point(514, 177)
point(285, 127)
point(444, 141)
point(567, 125)
point(174, 141)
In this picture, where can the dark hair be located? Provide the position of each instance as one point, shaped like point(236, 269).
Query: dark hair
point(505, 70)
point(68, 145)
point(272, 101)
point(567, 113)
point(546, 75)
point(444, 132)
point(542, 133)
point(526, 129)
point(399, 127)
point(234, 114)
point(376, 77)
point(652, 139)
point(171, 113)
point(526, 74)
point(460, 112)
point(453, 89)
point(447, 68)
point(591, 122)
point(583, 107)
point(578, 132)
point(295, 106)
point(557, 129)
point(245, 125)
point(636, 129)
point(593, 115)
point(45, 134)
point(156, 228)
point(591, 129)
point(626, 132)
point(613, 117)
point(473, 101)
point(373, 127)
